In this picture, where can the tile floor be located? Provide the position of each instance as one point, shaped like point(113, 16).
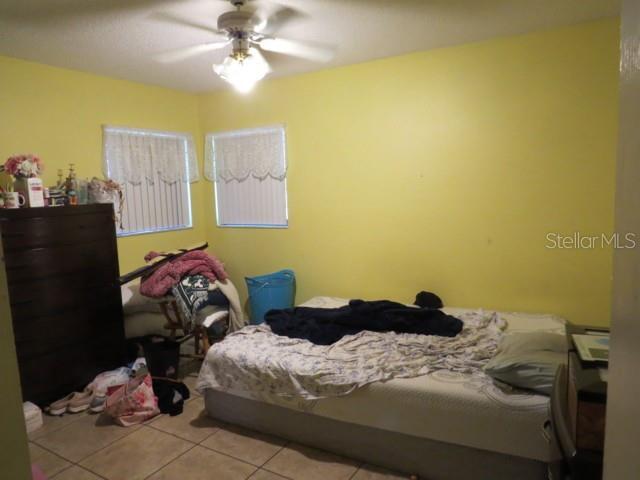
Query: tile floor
point(190, 446)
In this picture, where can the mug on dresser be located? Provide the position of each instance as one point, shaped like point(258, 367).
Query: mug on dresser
point(13, 199)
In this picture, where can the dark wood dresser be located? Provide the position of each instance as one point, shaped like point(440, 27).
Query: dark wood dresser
point(62, 272)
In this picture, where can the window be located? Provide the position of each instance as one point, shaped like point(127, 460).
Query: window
point(249, 169)
point(154, 170)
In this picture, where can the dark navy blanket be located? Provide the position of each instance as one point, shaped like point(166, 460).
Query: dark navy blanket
point(324, 326)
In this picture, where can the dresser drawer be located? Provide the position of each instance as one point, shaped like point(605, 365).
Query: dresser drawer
point(49, 262)
point(58, 230)
point(62, 291)
point(42, 335)
point(51, 376)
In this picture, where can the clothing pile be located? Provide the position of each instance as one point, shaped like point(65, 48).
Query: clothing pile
point(127, 394)
point(200, 286)
point(159, 282)
point(325, 326)
point(195, 292)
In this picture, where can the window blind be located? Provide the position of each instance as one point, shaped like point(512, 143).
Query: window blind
point(249, 169)
point(155, 207)
point(252, 203)
point(154, 169)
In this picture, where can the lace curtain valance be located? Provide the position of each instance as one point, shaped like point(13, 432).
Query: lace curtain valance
point(259, 153)
point(132, 155)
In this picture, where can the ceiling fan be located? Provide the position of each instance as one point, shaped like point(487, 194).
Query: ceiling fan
point(248, 32)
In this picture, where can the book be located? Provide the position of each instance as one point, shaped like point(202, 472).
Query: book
point(592, 348)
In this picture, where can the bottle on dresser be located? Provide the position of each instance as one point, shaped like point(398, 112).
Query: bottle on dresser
point(71, 186)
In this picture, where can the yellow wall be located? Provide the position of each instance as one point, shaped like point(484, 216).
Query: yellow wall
point(443, 170)
point(58, 115)
point(440, 170)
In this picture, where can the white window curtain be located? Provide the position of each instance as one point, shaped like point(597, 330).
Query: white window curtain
point(249, 169)
point(256, 152)
point(154, 170)
point(131, 155)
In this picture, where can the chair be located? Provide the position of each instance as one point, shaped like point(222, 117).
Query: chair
point(166, 312)
point(169, 307)
point(199, 333)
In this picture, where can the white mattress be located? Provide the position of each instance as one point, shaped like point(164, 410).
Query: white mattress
point(448, 407)
point(451, 407)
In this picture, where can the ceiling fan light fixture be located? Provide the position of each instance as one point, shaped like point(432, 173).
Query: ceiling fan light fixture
point(243, 70)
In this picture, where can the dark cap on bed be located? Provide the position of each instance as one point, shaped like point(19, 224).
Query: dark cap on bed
point(428, 300)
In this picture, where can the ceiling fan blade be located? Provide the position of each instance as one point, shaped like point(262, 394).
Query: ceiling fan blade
point(273, 18)
point(188, 52)
point(185, 22)
point(297, 49)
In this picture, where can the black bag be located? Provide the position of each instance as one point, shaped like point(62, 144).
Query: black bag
point(162, 354)
point(171, 395)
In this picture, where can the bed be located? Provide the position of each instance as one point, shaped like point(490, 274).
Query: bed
point(448, 423)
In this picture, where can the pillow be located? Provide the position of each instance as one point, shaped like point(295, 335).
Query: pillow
point(134, 302)
point(529, 360)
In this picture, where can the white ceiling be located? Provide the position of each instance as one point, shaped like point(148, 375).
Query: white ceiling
point(118, 38)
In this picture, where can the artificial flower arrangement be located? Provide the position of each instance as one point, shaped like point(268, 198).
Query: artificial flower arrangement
point(25, 170)
point(104, 191)
point(23, 166)
point(107, 191)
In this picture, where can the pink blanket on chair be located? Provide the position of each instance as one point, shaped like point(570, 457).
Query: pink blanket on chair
point(159, 283)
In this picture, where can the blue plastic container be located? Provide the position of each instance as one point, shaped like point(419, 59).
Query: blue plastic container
point(267, 292)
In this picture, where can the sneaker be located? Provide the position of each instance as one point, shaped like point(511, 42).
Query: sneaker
point(60, 406)
point(74, 402)
point(97, 403)
point(80, 401)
